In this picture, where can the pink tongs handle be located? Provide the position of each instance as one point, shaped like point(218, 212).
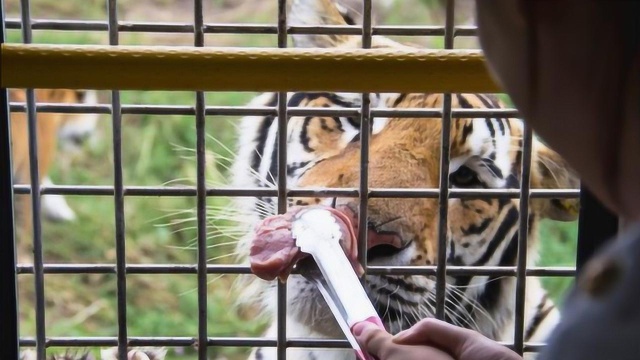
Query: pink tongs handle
point(360, 353)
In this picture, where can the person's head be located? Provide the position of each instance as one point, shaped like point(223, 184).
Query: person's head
point(572, 68)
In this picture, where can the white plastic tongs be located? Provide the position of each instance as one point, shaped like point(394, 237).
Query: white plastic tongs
point(317, 233)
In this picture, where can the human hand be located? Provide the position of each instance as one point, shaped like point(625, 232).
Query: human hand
point(430, 339)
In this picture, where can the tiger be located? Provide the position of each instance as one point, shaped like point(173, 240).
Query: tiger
point(53, 130)
point(324, 152)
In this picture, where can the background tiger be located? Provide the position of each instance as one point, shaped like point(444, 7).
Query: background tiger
point(53, 130)
point(404, 153)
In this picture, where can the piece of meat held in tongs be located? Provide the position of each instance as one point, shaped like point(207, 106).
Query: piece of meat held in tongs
point(328, 236)
point(274, 252)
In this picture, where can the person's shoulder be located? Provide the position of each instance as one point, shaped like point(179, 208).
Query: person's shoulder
point(601, 317)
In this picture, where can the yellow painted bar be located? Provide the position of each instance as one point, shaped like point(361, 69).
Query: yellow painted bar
point(243, 69)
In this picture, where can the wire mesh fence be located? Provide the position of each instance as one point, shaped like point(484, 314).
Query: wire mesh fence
point(200, 112)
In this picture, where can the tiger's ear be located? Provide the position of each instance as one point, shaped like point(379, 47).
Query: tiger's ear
point(550, 171)
point(318, 12)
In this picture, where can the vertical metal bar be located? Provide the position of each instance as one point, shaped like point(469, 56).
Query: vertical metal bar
point(282, 182)
point(443, 198)
point(365, 131)
point(596, 226)
point(201, 191)
point(525, 187)
point(9, 347)
point(118, 185)
point(366, 24)
point(32, 119)
point(449, 35)
point(523, 235)
point(25, 13)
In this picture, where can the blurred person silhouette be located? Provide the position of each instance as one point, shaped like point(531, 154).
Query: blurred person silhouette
point(572, 68)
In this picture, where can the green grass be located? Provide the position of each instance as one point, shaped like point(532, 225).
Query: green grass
point(84, 305)
point(68, 9)
point(558, 248)
point(158, 305)
point(156, 152)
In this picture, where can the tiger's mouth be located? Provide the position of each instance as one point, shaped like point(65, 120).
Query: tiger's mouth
point(381, 243)
point(384, 250)
point(385, 246)
point(274, 251)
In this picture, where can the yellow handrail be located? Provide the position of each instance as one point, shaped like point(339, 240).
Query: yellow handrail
point(243, 69)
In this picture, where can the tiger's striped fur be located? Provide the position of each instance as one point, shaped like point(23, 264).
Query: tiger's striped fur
point(324, 151)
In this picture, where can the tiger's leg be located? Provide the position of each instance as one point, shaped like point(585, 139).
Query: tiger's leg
point(55, 207)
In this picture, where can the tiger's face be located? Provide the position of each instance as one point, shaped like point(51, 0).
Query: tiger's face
point(485, 153)
point(405, 153)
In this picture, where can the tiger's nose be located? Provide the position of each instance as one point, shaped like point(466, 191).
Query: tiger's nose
point(375, 238)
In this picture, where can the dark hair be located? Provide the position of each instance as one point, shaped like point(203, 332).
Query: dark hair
point(623, 16)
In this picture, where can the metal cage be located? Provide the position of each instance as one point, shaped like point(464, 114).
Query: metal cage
point(595, 225)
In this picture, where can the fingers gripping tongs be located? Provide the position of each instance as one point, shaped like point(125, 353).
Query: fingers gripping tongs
point(317, 233)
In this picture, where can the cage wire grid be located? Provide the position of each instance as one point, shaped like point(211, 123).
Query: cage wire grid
point(119, 191)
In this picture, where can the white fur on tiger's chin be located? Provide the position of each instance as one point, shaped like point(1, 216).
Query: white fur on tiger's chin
point(295, 329)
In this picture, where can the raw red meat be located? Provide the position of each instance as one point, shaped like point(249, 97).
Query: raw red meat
point(274, 252)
